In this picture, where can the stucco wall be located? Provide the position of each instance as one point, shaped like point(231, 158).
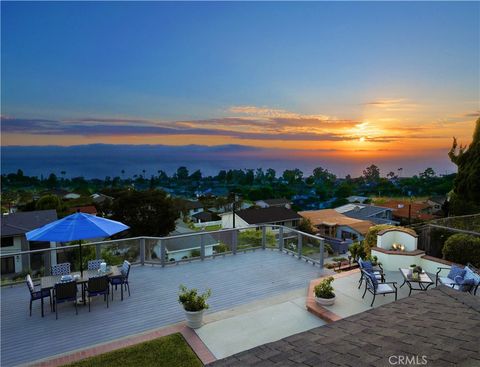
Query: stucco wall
point(392, 262)
point(387, 239)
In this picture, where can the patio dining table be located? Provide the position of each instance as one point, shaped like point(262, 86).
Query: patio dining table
point(423, 281)
point(49, 281)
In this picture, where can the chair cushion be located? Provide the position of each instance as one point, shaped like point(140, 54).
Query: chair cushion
point(446, 281)
point(384, 288)
point(367, 265)
point(374, 279)
point(456, 271)
point(470, 274)
point(464, 284)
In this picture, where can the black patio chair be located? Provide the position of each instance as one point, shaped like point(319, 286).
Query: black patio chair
point(122, 279)
point(37, 295)
point(98, 286)
point(376, 270)
point(64, 292)
point(375, 287)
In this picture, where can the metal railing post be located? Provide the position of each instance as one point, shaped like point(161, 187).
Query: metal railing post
point(234, 241)
point(163, 252)
point(142, 251)
point(322, 252)
point(280, 239)
point(202, 247)
point(264, 237)
point(299, 245)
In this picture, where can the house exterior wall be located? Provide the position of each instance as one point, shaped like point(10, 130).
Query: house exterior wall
point(387, 239)
point(354, 234)
point(227, 221)
point(180, 254)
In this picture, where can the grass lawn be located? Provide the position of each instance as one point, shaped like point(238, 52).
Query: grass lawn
point(170, 350)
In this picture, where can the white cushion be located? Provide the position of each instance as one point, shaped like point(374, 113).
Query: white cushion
point(384, 288)
point(446, 281)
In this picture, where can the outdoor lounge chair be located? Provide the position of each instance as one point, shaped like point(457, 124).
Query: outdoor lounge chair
point(122, 280)
point(375, 287)
point(35, 295)
point(376, 270)
point(98, 286)
point(469, 280)
point(94, 264)
point(64, 292)
point(60, 269)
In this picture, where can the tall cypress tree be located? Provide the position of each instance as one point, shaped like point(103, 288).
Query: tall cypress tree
point(465, 197)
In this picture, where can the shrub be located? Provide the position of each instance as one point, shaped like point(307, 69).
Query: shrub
point(462, 248)
point(253, 238)
point(195, 253)
point(357, 250)
point(191, 300)
point(306, 226)
point(327, 247)
point(220, 248)
point(324, 289)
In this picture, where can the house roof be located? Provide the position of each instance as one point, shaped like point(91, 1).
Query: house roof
point(271, 214)
point(331, 217)
point(185, 243)
point(441, 324)
point(400, 209)
point(21, 222)
point(100, 198)
point(273, 202)
point(88, 209)
point(439, 199)
point(193, 204)
point(206, 216)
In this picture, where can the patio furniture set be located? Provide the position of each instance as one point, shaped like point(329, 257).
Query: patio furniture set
point(465, 279)
point(61, 285)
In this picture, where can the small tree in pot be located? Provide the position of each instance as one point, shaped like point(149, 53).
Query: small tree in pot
point(194, 305)
point(324, 292)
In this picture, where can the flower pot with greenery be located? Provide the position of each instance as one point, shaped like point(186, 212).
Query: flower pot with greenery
point(410, 271)
point(324, 292)
point(194, 305)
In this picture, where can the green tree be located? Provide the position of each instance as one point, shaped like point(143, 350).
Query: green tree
point(52, 181)
point(462, 249)
point(182, 173)
point(270, 175)
point(292, 176)
point(148, 213)
point(371, 174)
point(49, 202)
point(465, 196)
point(306, 226)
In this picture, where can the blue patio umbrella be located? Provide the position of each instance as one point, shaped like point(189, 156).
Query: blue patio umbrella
point(76, 227)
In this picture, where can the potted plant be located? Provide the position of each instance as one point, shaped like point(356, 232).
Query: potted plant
point(194, 305)
point(324, 292)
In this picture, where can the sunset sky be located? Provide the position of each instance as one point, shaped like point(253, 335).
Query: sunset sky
point(344, 80)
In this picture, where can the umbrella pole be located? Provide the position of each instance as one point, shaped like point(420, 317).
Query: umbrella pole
point(81, 260)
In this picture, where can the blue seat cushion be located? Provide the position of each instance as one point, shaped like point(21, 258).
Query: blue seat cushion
point(117, 280)
point(470, 274)
point(367, 265)
point(464, 284)
point(456, 271)
point(374, 279)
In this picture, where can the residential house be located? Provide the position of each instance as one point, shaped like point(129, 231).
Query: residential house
point(406, 212)
point(100, 198)
point(13, 229)
point(182, 248)
point(436, 203)
point(274, 202)
point(205, 216)
point(193, 207)
point(372, 213)
point(333, 224)
point(253, 216)
point(357, 199)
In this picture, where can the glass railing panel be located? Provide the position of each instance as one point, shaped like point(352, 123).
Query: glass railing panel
point(115, 252)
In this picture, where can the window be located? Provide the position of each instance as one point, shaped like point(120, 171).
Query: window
point(7, 241)
point(8, 264)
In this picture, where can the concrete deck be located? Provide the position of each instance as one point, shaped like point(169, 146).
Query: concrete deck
point(235, 280)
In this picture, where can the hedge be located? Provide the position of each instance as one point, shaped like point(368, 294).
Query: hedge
point(462, 249)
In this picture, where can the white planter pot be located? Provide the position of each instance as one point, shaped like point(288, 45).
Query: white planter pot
point(194, 319)
point(325, 301)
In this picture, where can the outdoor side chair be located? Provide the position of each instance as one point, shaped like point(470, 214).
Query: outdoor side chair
point(377, 271)
point(94, 264)
point(122, 280)
point(98, 286)
point(375, 287)
point(65, 292)
point(35, 295)
point(60, 269)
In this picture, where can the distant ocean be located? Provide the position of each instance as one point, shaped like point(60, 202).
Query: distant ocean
point(101, 160)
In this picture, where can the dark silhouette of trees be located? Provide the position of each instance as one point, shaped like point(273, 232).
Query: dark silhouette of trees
point(465, 196)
